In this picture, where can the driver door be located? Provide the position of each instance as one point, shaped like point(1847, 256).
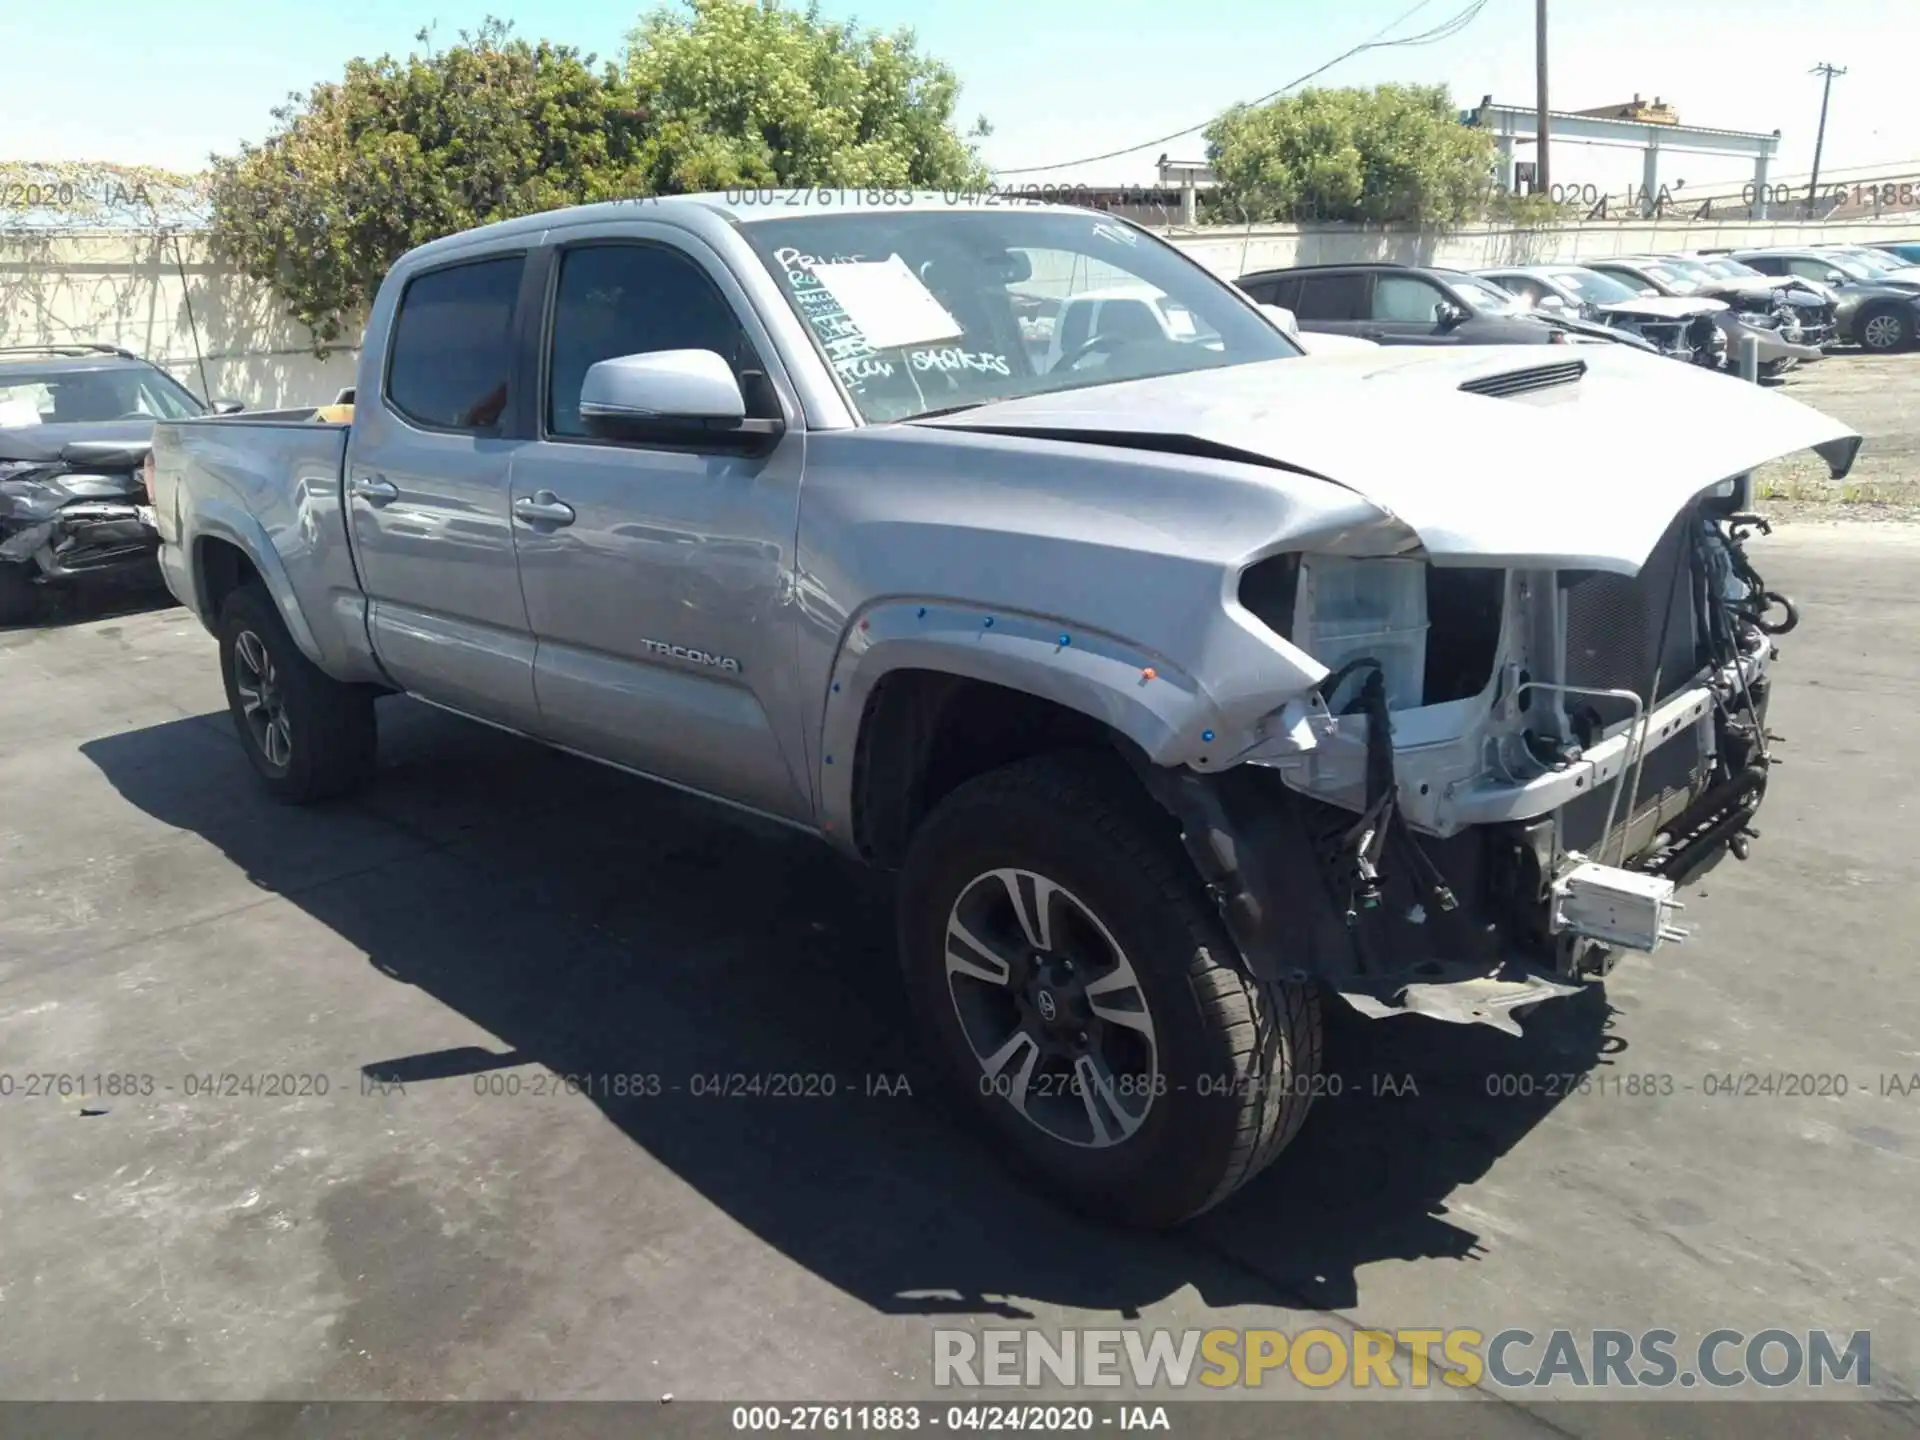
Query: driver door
point(1408, 310)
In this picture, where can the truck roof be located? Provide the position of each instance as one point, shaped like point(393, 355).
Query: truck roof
point(762, 203)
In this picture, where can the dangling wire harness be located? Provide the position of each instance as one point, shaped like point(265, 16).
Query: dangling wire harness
point(1362, 846)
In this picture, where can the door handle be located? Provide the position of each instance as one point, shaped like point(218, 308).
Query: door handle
point(542, 507)
point(376, 489)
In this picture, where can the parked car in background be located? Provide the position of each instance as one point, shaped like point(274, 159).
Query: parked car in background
point(76, 422)
point(1874, 309)
point(1788, 329)
point(1315, 342)
point(1681, 327)
point(1178, 690)
point(1407, 305)
point(1906, 251)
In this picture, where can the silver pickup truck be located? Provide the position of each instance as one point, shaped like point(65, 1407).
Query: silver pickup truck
point(1188, 683)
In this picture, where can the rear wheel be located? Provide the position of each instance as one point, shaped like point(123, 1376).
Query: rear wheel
point(308, 736)
point(1885, 330)
point(1085, 1006)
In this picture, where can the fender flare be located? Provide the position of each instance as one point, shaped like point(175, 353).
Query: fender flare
point(1161, 709)
point(218, 518)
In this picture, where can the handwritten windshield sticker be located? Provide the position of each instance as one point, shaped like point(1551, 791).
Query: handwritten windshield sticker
point(859, 369)
point(890, 304)
point(950, 360)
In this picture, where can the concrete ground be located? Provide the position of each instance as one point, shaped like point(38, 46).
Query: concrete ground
point(439, 1223)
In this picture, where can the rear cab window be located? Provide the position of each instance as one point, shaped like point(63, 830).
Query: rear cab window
point(450, 358)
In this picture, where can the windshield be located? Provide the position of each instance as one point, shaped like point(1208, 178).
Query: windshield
point(930, 311)
point(82, 397)
point(1727, 269)
point(1482, 296)
point(1848, 265)
point(1872, 261)
point(1593, 287)
point(1669, 274)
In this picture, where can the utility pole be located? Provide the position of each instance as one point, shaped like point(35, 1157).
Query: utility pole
point(1820, 137)
point(1540, 178)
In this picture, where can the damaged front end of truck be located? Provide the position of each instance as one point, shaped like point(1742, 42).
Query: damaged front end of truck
point(1537, 721)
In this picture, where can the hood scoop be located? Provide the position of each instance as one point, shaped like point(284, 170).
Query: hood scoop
point(1524, 382)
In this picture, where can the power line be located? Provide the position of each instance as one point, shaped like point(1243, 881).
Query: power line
point(1445, 30)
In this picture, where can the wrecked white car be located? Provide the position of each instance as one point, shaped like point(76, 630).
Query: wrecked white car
point(1187, 682)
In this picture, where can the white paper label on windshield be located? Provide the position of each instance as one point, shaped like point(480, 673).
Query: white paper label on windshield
point(888, 303)
point(18, 412)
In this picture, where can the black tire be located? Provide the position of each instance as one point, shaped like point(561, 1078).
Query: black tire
point(330, 736)
point(1236, 1060)
point(19, 596)
point(1885, 329)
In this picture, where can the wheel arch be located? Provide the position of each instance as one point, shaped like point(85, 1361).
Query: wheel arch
point(926, 695)
point(230, 547)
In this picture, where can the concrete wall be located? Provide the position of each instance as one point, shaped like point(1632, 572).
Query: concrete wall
point(160, 296)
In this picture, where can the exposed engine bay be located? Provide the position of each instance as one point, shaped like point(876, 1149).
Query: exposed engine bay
point(1505, 775)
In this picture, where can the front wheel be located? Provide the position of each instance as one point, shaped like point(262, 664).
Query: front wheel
point(1884, 331)
point(308, 736)
point(1083, 1001)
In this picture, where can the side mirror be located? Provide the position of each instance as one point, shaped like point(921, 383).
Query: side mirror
point(1282, 317)
point(683, 395)
point(1551, 302)
point(227, 407)
point(1447, 315)
point(1834, 277)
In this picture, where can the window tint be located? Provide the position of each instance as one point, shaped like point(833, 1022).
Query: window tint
point(618, 300)
point(453, 345)
point(1285, 294)
point(1405, 300)
point(1812, 269)
point(1332, 297)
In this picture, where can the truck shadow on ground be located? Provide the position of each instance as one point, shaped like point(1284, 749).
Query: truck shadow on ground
point(603, 926)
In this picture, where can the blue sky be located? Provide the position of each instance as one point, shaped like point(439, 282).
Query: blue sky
point(1059, 80)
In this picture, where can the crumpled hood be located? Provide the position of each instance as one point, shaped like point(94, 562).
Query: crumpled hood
point(1664, 307)
point(1581, 475)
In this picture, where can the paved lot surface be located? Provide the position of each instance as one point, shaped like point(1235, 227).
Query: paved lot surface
point(1874, 394)
point(492, 913)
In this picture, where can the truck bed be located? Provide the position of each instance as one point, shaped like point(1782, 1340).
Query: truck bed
point(271, 485)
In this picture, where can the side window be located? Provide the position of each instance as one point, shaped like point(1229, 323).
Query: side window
point(1285, 294)
point(1332, 297)
point(1405, 300)
point(632, 299)
point(452, 345)
point(1766, 264)
point(1809, 269)
point(1262, 291)
point(1525, 287)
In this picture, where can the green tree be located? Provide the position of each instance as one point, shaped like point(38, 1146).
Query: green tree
point(1395, 153)
point(749, 92)
point(399, 152)
point(729, 92)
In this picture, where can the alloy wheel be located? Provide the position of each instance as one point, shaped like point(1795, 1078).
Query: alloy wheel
point(263, 705)
point(1052, 1009)
point(1882, 332)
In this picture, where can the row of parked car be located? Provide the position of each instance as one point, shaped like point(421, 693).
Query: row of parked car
point(1794, 302)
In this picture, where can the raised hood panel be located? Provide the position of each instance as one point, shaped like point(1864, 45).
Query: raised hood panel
point(1585, 474)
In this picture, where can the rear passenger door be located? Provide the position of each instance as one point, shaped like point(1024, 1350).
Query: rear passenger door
point(1335, 303)
point(427, 470)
